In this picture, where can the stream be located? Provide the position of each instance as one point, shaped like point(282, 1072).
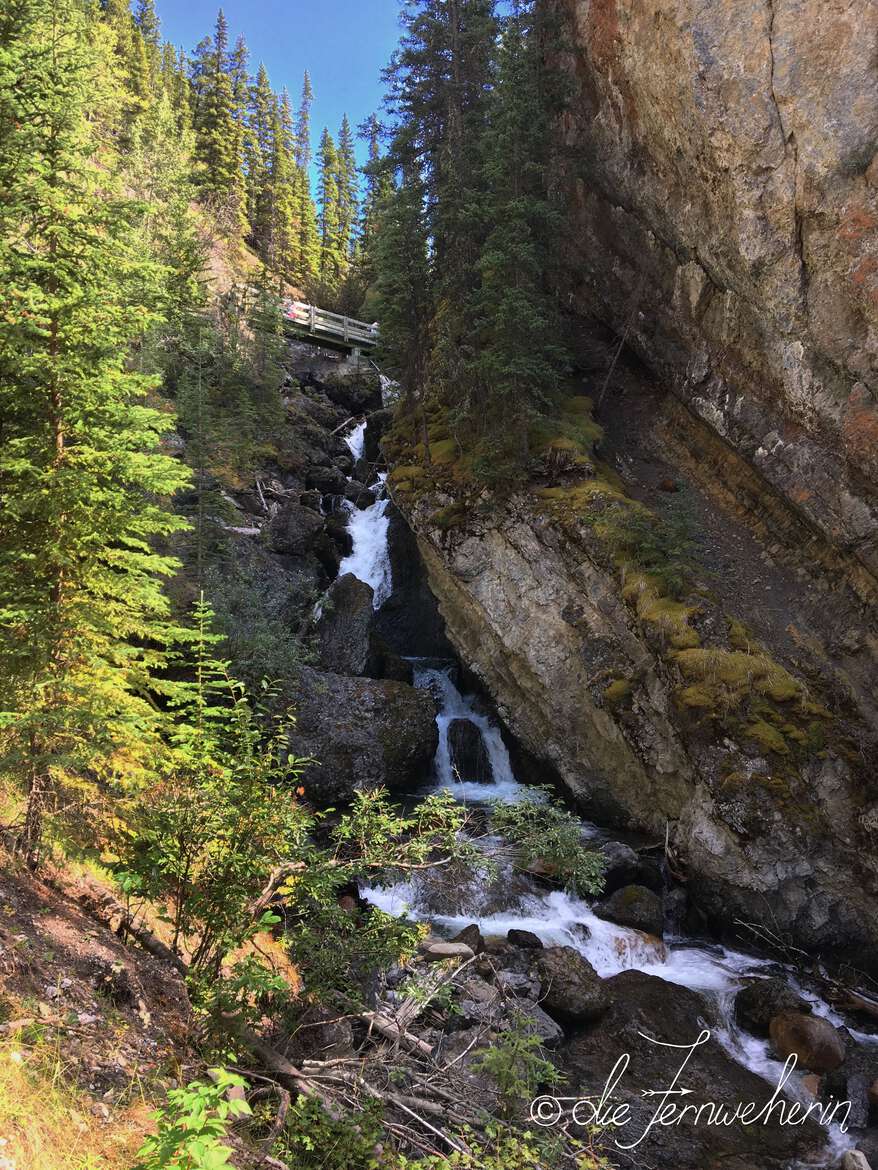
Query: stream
point(558, 918)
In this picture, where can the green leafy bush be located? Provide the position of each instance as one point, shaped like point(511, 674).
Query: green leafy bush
point(193, 1124)
point(542, 830)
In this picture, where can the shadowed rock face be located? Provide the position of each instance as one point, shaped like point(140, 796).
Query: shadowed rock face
point(722, 184)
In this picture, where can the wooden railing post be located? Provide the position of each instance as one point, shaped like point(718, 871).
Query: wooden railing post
point(312, 317)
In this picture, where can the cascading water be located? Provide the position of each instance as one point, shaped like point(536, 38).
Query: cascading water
point(556, 917)
point(369, 559)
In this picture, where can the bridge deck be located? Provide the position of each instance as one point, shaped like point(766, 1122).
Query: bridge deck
point(325, 326)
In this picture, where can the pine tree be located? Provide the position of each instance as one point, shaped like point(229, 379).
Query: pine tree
point(83, 613)
point(517, 359)
point(348, 191)
point(148, 22)
point(258, 153)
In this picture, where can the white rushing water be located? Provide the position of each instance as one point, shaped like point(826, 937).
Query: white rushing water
point(454, 705)
point(369, 560)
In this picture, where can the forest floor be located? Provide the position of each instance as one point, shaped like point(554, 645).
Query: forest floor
point(93, 1032)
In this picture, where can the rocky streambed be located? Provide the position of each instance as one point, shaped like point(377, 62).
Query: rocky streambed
point(633, 977)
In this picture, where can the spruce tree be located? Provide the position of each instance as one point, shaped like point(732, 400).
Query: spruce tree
point(517, 359)
point(303, 125)
point(332, 259)
point(348, 190)
point(258, 153)
point(218, 129)
point(84, 619)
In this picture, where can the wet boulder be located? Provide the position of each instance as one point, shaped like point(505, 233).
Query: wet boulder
point(571, 989)
point(472, 936)
point(363, 733)
point(379, 422)
point(344, 626)
point(635, 907)
point(336, 524)
point(358, 494)
point(816, 1044)
point(621, 865)
point(759, 1002)
point(328, 480)
point(469, 754)
point(649, 1019)
point(525, 939)
point(293, 530)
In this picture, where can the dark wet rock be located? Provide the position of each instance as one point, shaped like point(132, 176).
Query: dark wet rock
point(469, 755)
point(854, 1081)
point(364, 733)
point(758, 1003)
point(814, 1041)
point(525, 939)
point(344, 462)
point(386, 663)
point(356, 391)
point(359, 494)
point(329, 480)
point(635, 907)
point(622, 865)
point(293, 529)
point(336, 524)
point(379, 422)
point(328, 553)
point(646, 1017)
point(311, 499)
point(472, 936)
point(344, 627)
point(571, 991)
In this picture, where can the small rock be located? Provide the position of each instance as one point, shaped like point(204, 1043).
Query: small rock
point(525, 939)
point(669, 485)
point(757, 1004)
point(438, 951)
point(814, 1041)
point(472, 936)
point(620, 866)
point(539, 1023)
point(873, 1095)
point(854, 1160)
point(517, 983)
point(636, 907)
point(811, 1084)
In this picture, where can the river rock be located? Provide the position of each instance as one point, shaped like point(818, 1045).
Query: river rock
point(635, 907)
point(293, 529)
point(571, 990)
point(344, 627)
point(813, 1040)
point(646, 1017)
point(855, 1160)
point(854, 1081)
point(469, 755)
point(759, 1002)
point(621, 865)
point(359, 494)
point(472, 936)
point(336, 524)
point(524, 938)
point(437, 952)
point(328, 480)
point(364, 733)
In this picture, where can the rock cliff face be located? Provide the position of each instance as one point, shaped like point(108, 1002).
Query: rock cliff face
point(596, 697)
point(722, 178)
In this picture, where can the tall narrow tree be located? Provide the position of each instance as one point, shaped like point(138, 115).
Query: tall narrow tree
point(83, 615)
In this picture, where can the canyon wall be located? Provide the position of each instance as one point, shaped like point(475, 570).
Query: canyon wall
point(721, 175)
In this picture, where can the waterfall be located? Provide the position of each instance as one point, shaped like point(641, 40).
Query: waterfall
point(369, 560)
point(453, 706)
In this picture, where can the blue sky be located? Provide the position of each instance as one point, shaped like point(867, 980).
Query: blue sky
point(343, 43)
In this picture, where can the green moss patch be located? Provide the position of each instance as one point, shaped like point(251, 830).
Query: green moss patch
point(617, 692)
point(731, 676)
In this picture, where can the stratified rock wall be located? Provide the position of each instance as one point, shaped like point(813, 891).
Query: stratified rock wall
point(722, 181)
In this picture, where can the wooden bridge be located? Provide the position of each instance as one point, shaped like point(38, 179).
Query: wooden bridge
point(308, 321)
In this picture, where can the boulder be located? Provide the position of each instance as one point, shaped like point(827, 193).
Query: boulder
point(363, 733)
point(854, 1160)
point(636, 907)
point(759, 1002)
point(293, 529)
point(524, 938)
point(814, 1041)
point(336, 524)
point(472, 936)
point(620, 867)
point(328, 480)
point(358, 494)
point(328, 553)
point(379, 422)
point(855, 1081)
point(344, 626)
point(648, 1018)
point(571, 990)
point(469, 755)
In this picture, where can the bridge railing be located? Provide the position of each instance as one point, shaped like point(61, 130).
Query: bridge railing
point(333, 325)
